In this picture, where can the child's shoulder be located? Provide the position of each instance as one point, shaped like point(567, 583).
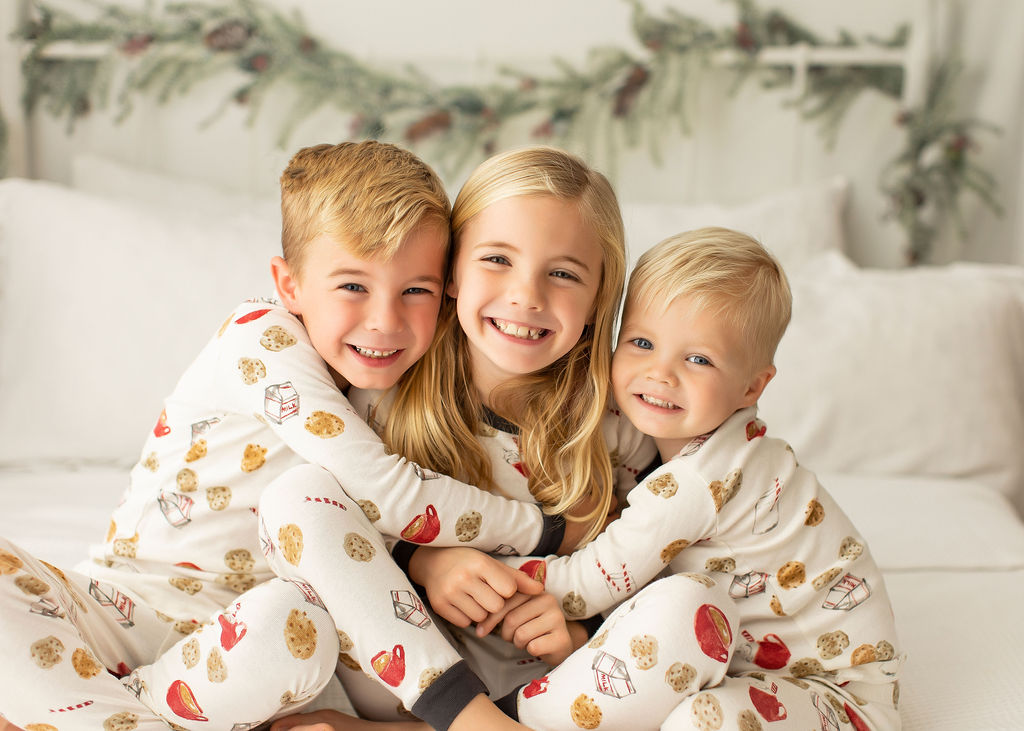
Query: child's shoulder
point(742, 431)
point(267, 319)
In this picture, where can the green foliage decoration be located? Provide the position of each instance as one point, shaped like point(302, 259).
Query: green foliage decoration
point(618, 97)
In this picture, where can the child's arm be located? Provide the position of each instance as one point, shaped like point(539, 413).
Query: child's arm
point(666, 512)
point(267, 367)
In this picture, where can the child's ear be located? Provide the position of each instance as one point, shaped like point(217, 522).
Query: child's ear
point(286, 283)
point(756, 384)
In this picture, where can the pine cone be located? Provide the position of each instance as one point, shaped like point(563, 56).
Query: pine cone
point(626, 94)
point(433, 123)
point(136, 44)
point(230, 35)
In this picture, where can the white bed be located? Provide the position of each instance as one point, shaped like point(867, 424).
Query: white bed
point(904, 389)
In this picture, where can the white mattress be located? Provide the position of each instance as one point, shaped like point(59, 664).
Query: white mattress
point(953, 554)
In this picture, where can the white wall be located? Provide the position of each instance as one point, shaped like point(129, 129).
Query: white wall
point(740, 147)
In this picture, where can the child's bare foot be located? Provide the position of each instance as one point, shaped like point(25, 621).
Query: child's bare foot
point(336, 721)
point(480, 713)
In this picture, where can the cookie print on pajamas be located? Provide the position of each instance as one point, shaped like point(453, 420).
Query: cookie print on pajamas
point(275, 338)
point(324, 424)
point(300, 635)
point(585, 712)
point(251, 370)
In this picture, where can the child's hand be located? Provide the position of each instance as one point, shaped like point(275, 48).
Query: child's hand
point(536, 624)
point(465, 585)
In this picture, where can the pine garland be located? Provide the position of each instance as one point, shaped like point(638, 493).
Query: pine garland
point(618, 97)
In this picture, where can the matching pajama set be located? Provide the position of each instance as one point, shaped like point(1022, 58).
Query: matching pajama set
point(773, 614)
point(246, 559)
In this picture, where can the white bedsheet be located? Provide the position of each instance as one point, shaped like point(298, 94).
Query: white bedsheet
point(953, 555)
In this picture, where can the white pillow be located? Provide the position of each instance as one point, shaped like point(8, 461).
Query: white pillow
point(794, 224)
point(905, 372)
point(914, 523)
point(102, 306)
point(191, 200)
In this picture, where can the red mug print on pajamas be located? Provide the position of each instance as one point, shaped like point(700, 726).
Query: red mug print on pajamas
point(390, 666)
point(423, 528)
point(713, 632)
point(771, 652)
point(183, 702)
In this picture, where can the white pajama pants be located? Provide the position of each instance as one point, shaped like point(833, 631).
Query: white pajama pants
point(660, 661)
point(81, 654)
point(339, 602)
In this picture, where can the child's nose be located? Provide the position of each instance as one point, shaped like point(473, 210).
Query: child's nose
point(661, 373)
point(383, 316)
point(527, 292)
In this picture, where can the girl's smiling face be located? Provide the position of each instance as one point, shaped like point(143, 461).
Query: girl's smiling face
point(525, 275)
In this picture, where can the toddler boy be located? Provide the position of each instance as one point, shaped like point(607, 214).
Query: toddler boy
point(774, 613)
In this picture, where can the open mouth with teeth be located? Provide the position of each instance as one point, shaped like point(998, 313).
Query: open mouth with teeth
point(520, 332)
point(656, 402)
point(380, 356)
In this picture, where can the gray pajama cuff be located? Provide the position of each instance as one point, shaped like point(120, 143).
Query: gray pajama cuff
point(445, 698)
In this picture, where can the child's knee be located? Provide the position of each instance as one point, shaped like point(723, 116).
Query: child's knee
point(272, 649)
point(289, 613)
point(293, 485)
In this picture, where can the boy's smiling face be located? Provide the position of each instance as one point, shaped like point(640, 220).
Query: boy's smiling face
point(370, 319)
point(680, 371)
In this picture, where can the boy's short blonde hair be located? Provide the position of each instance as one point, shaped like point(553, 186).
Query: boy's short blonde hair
point(369, 195)
point(724, 271)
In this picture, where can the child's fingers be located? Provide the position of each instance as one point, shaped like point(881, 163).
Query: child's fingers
point(527, 585)
point(545, 639)
point(454, 615)
point(487, 625)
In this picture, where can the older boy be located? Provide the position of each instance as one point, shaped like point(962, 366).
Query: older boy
point(776, 613)
point(217, 590)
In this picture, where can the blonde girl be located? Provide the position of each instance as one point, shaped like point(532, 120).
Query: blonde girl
point(513, 394)
point(558, 407)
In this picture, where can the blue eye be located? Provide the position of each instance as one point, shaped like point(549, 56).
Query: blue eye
point(642, 343)
point(496, 259)
point(699, 360)
point(417, 290)
point(351, 287)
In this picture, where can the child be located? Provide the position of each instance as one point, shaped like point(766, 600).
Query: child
point(801, 627)
point(258, 416)
point(512, 394)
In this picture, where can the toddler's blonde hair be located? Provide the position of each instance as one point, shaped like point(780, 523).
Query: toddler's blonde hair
point(724, 271)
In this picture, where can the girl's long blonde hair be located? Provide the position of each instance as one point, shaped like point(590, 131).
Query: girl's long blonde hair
point(435, 417)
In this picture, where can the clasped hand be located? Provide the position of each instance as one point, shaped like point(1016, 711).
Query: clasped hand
point(466, 586)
